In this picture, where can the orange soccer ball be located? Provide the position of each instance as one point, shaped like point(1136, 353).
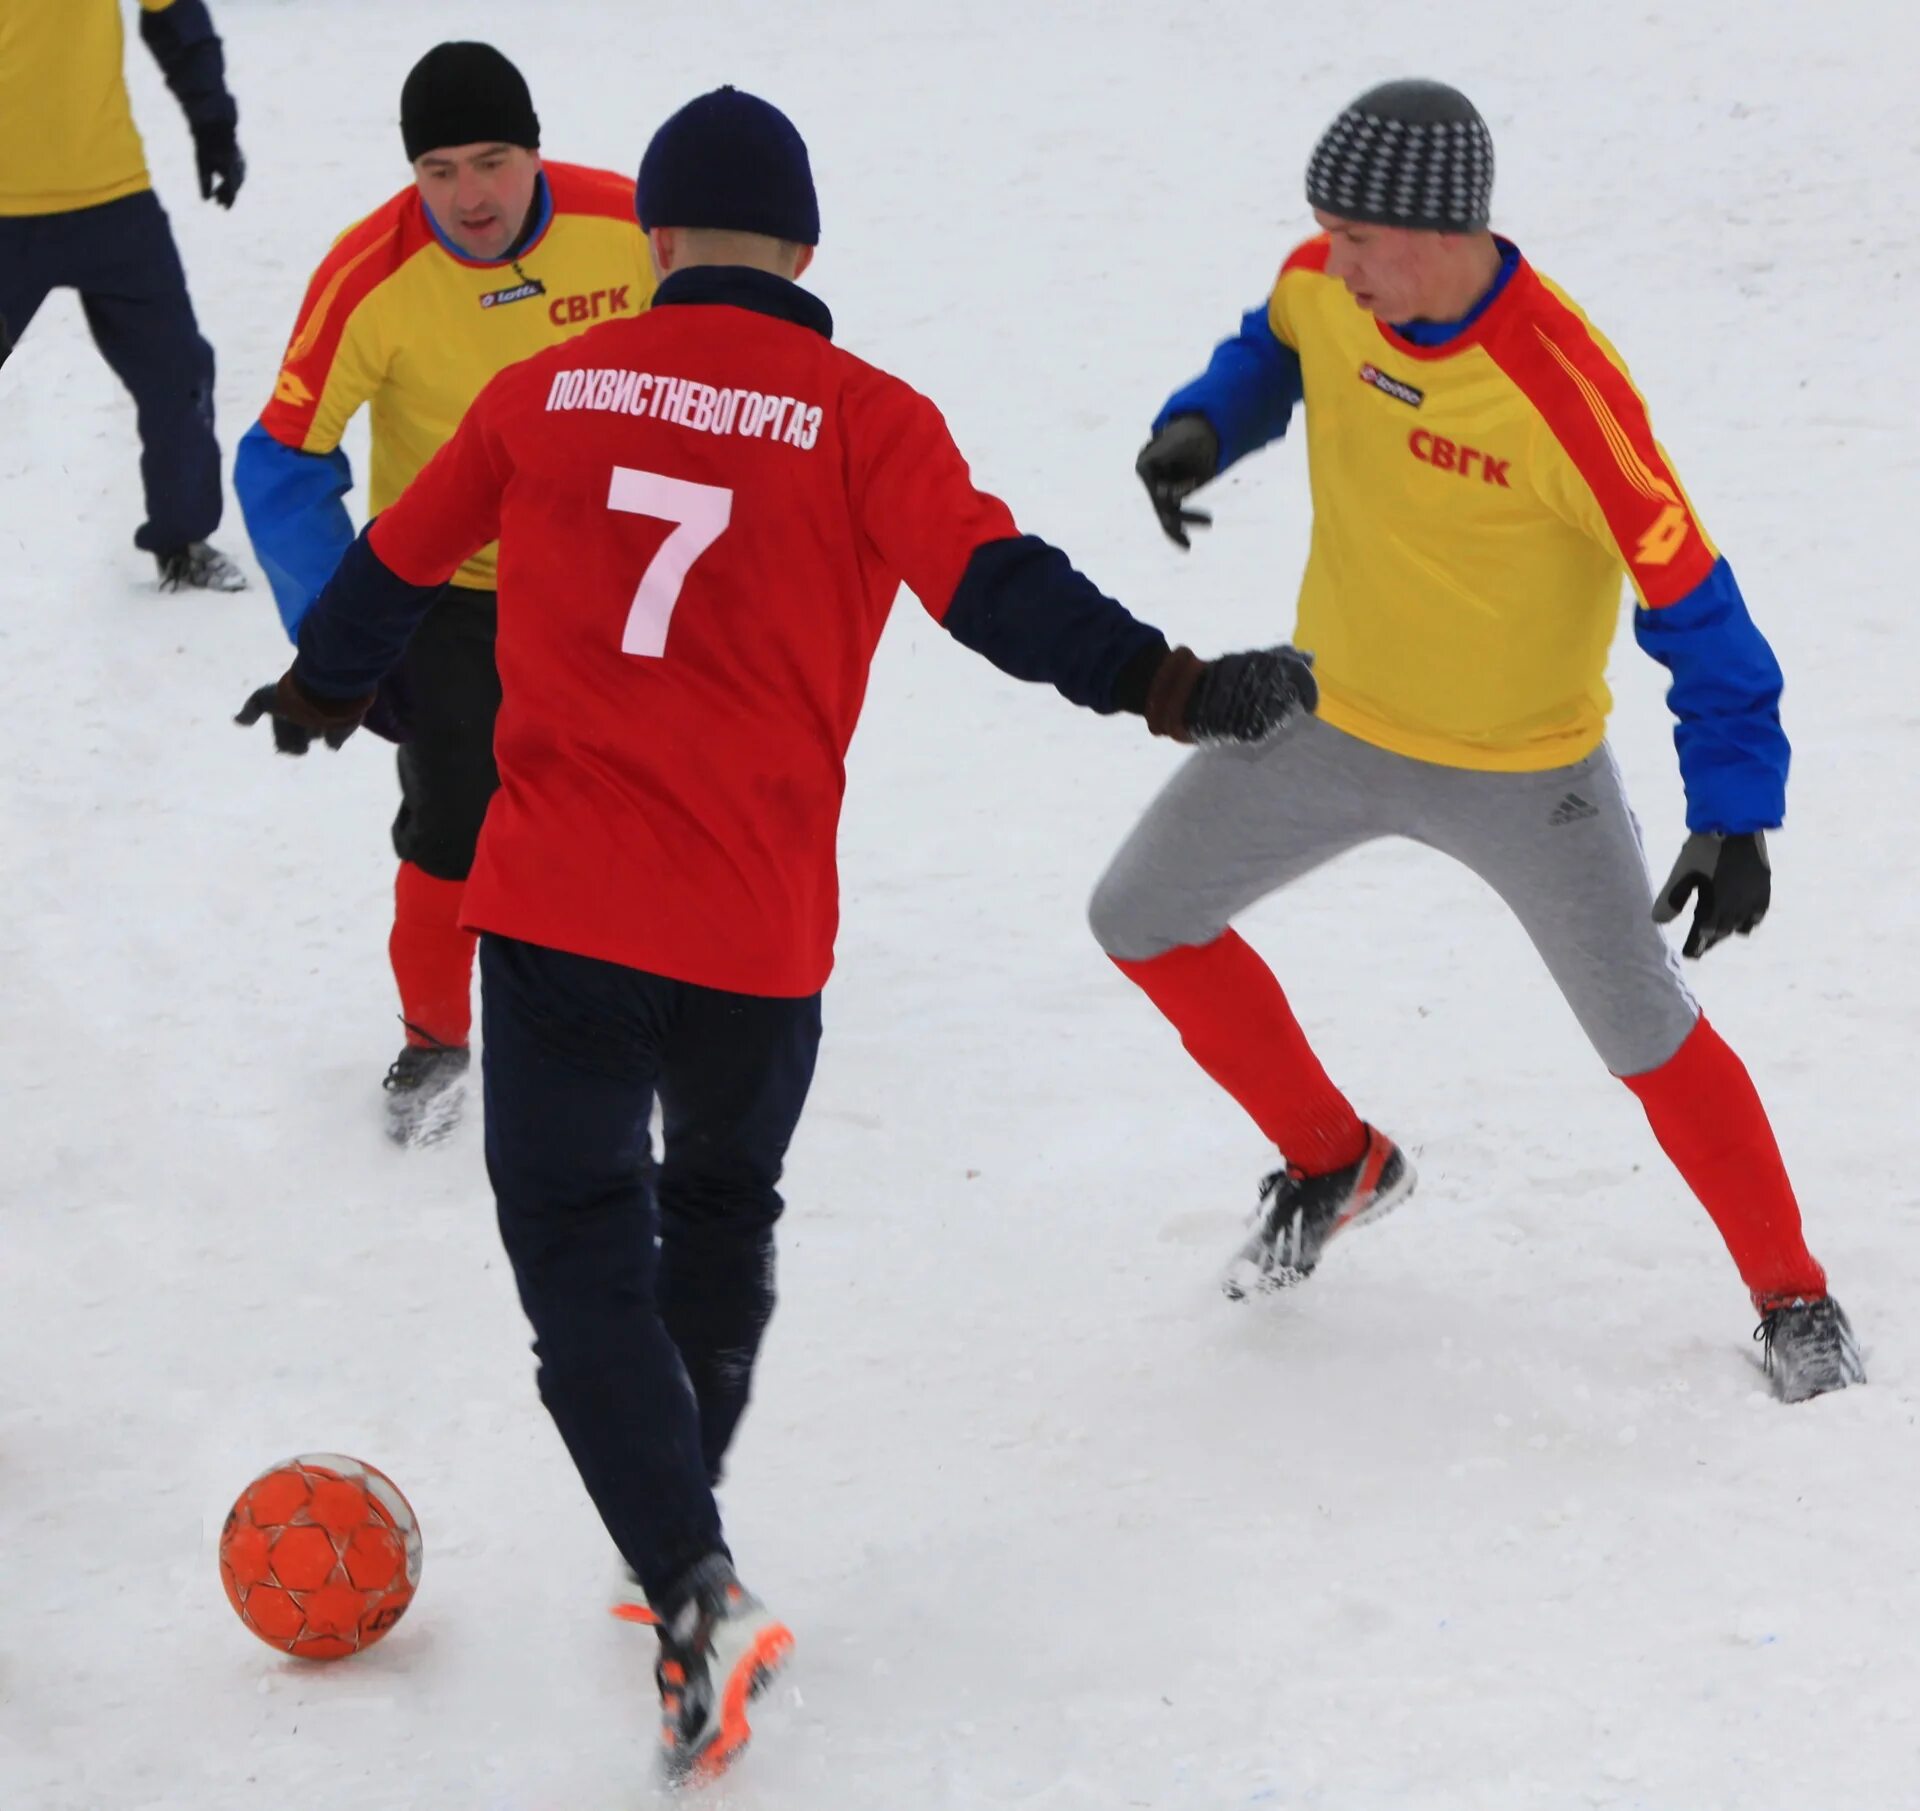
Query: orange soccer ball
point(320, 1556)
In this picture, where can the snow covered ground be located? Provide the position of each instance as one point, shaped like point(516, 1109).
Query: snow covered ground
point(1495, 1514)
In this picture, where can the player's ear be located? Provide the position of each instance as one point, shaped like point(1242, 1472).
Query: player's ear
point(806, 258)
point(661, 249)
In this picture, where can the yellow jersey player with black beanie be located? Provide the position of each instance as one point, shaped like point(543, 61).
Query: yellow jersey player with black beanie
point(1483, 473)
point(489, 256)
point(78, 211)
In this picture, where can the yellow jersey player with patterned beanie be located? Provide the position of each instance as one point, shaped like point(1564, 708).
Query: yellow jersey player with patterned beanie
point(488, 257)
point(78, 211)
point(1483, 473)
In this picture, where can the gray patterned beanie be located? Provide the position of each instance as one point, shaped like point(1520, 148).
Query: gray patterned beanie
point(1414, 154)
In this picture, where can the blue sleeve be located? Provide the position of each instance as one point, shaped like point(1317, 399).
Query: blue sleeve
point(1725, 698)
point(295, 517)
point(187, 48)
point(359, 626)
point(1022, 605)
point(1247, 392)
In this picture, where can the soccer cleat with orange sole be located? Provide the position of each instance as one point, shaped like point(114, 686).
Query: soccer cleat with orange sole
point(720, 1648)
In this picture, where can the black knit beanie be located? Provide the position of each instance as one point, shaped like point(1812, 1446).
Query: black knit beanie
point(733, 162)
point(465, 94)
point(1414, 154)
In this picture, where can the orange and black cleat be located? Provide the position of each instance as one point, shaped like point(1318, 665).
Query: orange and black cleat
point(720, 1648)
point(1299, 1214)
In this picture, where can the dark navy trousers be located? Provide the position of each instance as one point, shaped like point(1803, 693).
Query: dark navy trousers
point(648, 1286)
point(122, 259)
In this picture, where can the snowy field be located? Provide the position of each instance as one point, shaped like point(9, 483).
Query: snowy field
point(1496, 1513)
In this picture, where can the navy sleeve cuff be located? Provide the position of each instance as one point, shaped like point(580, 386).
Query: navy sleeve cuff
point(1022, 605)
point(359, 626)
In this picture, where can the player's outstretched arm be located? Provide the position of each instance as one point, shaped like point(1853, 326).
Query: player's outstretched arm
point(1021, 603)
point(181, 37)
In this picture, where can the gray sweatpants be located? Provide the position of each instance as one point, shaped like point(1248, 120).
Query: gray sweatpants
point(1560, 847)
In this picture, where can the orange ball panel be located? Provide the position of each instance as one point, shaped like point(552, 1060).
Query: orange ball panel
point(338, 1505)
point(374, 1557)
point(303, 1558)
point(273, 1615)
point(277, 1498)
point(333, 1610)
point(245, 1551)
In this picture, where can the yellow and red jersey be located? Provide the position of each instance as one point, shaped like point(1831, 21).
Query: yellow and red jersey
point(67, 137)
point(400, 321)
point(1474, 506)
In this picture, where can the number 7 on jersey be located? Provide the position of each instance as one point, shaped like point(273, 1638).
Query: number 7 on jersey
point(699, 514)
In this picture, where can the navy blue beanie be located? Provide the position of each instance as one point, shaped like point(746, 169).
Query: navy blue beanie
point(732, 162)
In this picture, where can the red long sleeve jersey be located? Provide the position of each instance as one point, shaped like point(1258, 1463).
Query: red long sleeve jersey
point(704, 515)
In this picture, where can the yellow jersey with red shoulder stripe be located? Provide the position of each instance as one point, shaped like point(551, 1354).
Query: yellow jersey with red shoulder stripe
point(67, 137)
point(395, 318)
point(1474, 506)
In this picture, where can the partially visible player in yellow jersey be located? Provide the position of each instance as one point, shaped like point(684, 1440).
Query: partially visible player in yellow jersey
point(490, 256)
point(1483, 475)
point(77, 211)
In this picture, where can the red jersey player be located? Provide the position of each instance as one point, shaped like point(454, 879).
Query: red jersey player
point(704, 514)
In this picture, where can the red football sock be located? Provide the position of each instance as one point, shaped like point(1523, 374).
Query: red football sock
point(432, 957)
point(1708, 1118)
point(1237, 1025)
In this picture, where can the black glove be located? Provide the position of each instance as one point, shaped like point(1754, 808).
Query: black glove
point(1735, 885)
point(1174, 464)
point(1239, 698)
point(216, 152)
point(299, 717)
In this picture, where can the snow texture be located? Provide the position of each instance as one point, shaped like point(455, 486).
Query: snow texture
point(1495, 1513)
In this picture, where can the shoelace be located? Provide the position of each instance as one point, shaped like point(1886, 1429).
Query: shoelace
point(399, 1075)
point(1769, 1326)
point(1272, 1184)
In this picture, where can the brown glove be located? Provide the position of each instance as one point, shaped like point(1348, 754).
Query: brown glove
point(1169, 692)
point(298, 716)
point(1237, 699)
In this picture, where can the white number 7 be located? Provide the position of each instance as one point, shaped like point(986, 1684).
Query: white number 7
point(700, 514)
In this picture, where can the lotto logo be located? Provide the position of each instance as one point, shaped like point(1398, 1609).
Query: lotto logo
point(1392, 386)
point(1446, 455)
point(570, 311)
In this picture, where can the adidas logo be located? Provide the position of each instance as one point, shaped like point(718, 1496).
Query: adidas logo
point(1572, 809)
